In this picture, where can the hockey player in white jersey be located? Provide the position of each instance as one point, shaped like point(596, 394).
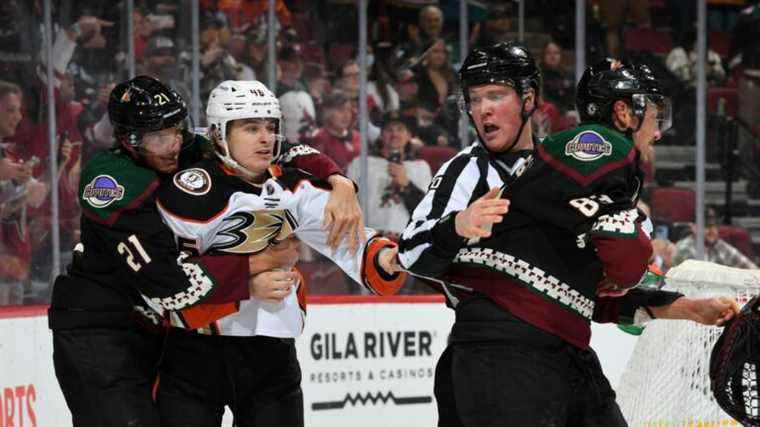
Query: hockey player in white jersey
point(238, 202)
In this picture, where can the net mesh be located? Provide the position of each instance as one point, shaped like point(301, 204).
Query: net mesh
point(667, 382)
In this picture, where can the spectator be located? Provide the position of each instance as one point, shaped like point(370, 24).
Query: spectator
point(217, 64)
point(559, 83)
point(682, 61)
point(396, 181)
point(317, 83)
point(298, 115)
point(421, 36)
point(301, 110)
point(241, 13)
point(437, 79)
point(337, 138)
point(717, 250)
point(380, 91)
point(348, 83)
point(256, 50)
point(18, 191)
point(497, 26)
point(347, 79)
point(236, 46)
point(160, 62)
point(291, 68)
point(406, 87)
point(615, 13)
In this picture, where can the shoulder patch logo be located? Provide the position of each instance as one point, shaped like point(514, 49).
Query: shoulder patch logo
point(588, 146)
point(193, 181)
point(102, 191)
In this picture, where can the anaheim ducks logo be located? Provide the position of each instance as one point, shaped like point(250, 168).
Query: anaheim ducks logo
point(252, 232)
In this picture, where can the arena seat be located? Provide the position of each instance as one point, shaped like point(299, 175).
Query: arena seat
point(738, 237)
point(436, 156)
point(647, 40)
point(672, 204)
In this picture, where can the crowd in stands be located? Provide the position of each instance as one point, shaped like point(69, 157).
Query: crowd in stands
point(413, 94)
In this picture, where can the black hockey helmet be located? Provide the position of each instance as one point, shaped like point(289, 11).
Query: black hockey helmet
point(506, 62)
point(610, 80)
point(734, 366)
point(144, 105)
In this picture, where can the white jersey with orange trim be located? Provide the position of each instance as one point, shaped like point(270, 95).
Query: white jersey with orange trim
point(212, 211)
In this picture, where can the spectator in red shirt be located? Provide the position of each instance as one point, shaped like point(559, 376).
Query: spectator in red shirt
point(18, 189)
point(337, 139)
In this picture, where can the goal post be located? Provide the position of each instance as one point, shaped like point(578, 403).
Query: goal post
point(666, 382)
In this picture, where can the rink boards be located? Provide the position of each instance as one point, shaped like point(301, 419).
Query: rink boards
point(364, 359)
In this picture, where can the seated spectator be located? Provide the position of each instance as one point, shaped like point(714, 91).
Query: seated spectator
point(615, 13)
point(380, 92)
point(437, 78)
point(291, 68)
point(717, 250)
point(256, 51)
point(559, 83)
point(241, 13)
point(682, 61)
point(497, 26)
point(347, 79)
point(337, 138)
point(298, 109)
point(429, 28)
point(217, 63)
point(317, 83)
point(19, 190)
point(406, 87)
point(160, 61)
point(396, 181)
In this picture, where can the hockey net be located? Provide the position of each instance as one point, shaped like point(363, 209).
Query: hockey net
point(666, 382)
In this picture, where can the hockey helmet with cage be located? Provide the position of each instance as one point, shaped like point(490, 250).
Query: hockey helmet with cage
point(734, 366)
point(143, 105)
point(235, 100)
point(507, 62)
point(610, 80)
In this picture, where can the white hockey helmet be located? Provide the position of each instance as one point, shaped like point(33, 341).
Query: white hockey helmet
point(240, 99)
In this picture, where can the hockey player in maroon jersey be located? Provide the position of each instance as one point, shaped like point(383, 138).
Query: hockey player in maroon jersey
point(530, 241)
point(105, 346)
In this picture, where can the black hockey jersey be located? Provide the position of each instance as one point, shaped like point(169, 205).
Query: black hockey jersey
point(571, 224)
point(127, 260)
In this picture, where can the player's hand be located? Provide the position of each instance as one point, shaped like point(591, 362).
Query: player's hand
point(273, 285)
point(388, 259)
point(712, 311)
point(707, 311)
point(343, 216)
point(477, 219)
point(282, 256)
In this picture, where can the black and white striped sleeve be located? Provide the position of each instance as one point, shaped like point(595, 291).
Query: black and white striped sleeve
point(430, 242)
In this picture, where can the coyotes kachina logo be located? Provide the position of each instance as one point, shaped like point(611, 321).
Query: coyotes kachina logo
point(588, 146)
point(102, 191)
